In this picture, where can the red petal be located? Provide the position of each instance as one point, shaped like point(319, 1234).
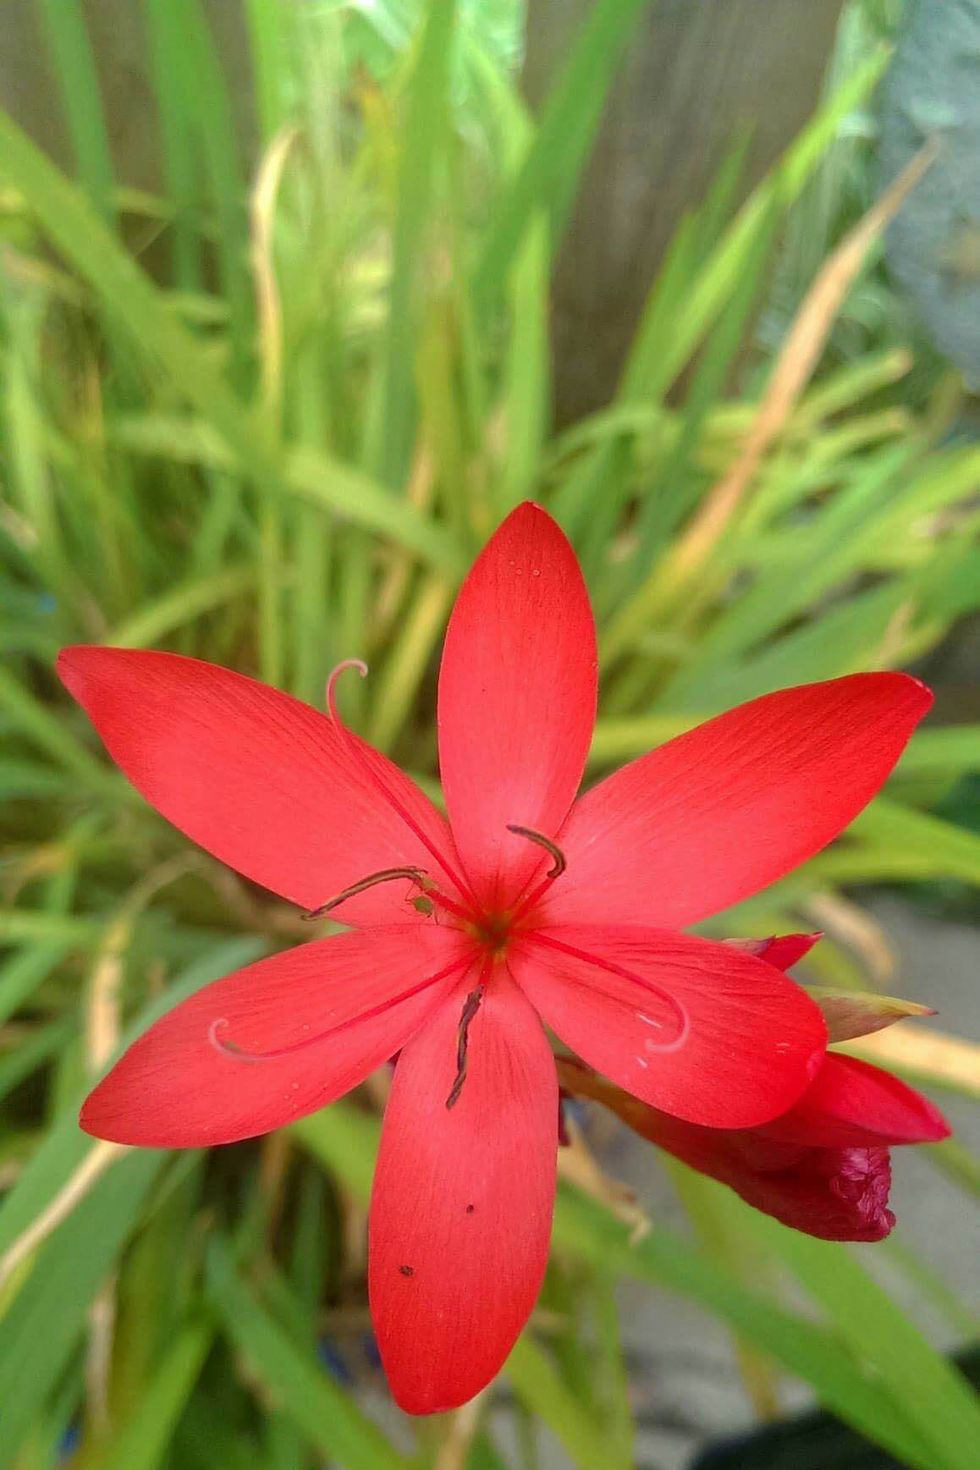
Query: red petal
point(833, 1193)
point(517, 692)
point(852, 1103)
point(718, 813)
point(753, 1038)
point(782, 950)
point(462, 1202)
point(194, 1078)
point(262, 781)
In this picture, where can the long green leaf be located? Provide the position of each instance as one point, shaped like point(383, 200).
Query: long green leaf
point(143, 1438)
point(33, 1052)
point(310, 1397)
point(539, 1387)
point(309, 475)
point(47, 1315)
point(420, 153)
point(130, 298)
point(555, 157)
point(688, 296)
point(914, 843)
point(725, 264)
point(184, 602)
point(65, 1145)
point(43, 728)
point(71, 51)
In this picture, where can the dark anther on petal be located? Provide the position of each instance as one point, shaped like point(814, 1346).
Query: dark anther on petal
point(385, 875)
point(470, 1209)
point(470, 1007)
point(407, 1270)
point(558, 857)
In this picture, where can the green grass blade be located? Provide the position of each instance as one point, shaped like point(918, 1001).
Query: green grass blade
point(557, 153)
point(527, 394)
point(143, 1438)
point(425, 126)
point(726, 262)
point(951, 751)
point(310, 476)
point(308, 1394)
point(689, 293)
point(64, 1145)
point(267, 27)
point(913, 844)
point(47, 1315)
point(209, 106)
point(23, 971)
point(129, 296)
point(185, 602)
point(409, 656)
point(71, 52)
point(33, 1052)
point(29, 926)
point(538, 1386)
point(663, 508)
point(180, 159)
point(44, 729)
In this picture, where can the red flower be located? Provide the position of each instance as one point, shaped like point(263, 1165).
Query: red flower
point(465, 931)
point(822, 1167)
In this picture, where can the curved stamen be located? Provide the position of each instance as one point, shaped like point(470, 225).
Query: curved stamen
point(679, 1010)
point(560, 863)
point(558, 867)
point(355, 750)
point(384, 875)
point(240, 1054)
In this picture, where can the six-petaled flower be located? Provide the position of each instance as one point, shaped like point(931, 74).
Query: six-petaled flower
point(527, 905)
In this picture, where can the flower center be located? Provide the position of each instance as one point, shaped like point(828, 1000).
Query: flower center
point(491, 932)
point(491, 929)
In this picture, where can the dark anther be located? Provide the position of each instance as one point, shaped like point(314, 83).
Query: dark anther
point(470, 1209)
point(416, 875)
point(407, 1270)
point(558, 857)
point(470, 1007)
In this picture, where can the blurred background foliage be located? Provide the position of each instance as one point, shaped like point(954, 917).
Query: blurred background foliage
point(262, 406)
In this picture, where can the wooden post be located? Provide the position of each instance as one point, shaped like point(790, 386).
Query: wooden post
point(117, 33)
point(697, 73)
